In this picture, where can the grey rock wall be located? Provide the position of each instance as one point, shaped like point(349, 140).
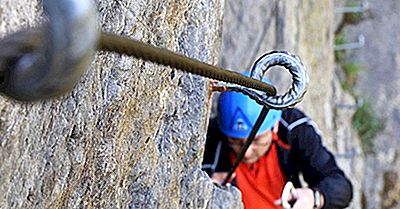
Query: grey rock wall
point(378, 82)
point(347, 148)
point(305, 28)
point(132, 133)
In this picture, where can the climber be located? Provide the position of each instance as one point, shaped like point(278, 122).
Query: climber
point(287, 146)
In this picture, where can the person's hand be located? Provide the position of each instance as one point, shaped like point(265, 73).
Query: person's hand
point(303, 198)
point(219, 177)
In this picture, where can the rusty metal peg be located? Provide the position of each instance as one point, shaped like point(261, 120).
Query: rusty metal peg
point(48, 61)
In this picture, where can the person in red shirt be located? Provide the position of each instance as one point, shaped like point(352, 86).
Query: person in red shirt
point(287, 144)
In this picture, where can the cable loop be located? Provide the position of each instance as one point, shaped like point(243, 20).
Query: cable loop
point(262, 65)
point(48, 61)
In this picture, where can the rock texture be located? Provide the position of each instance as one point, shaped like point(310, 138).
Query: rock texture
point(346, 147)
point(378, 81)
point(305, 28)
point(132, 133)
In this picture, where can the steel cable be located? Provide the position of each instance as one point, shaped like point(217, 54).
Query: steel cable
point(122, 45)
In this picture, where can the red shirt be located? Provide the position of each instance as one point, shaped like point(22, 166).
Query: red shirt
point(262, 182)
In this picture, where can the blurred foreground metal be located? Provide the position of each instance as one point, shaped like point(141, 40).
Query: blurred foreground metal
point(48, 61)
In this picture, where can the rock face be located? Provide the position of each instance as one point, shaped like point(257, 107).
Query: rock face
point(347, 148)
point(305, 28)
point(378, 82)
point(132, 133)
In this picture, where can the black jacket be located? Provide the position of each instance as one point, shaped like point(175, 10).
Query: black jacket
point(307, 156)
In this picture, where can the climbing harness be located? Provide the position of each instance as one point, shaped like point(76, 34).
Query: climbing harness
point(49, 61)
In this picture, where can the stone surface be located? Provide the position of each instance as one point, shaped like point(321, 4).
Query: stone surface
point(132, 133)
point(378, 82)
point(346, 146)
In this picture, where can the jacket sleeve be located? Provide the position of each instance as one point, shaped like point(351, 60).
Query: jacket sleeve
point(216, 153)
point(319, 167)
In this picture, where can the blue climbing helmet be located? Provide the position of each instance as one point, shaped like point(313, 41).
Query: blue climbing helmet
point(237, 114)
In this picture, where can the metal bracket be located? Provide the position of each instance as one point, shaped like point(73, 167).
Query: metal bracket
point(354, 9)
point(352, 45)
